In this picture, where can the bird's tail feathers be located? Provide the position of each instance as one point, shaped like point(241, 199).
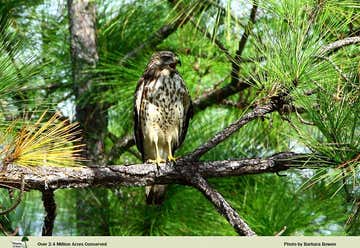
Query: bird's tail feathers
point(155, 194)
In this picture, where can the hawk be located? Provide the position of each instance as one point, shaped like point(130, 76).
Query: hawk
point(162, 110)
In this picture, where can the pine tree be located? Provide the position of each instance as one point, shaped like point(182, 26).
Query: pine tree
point(298, 56)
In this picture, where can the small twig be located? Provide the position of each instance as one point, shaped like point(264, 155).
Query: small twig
point(281, 231)
point(53, 86)
point(233, 104)
point(348, 197)
point(121, 145)
point(234, 18)
point(251, 60)
point(305, 122)
point(135, 153)
point(163, 32)
point(310, 92)
point(214, 87)
point(216, 41)
point(297, 130)
point(13, 233)
point(338, 70)
point(236, 62)
point(355, 212)
point(18, 200)
point(217, 95)
point(314, 13)
point(50, 209)
point(345, 164)
point(333, 47)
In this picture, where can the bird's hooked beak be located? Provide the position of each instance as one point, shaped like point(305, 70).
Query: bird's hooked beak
point(178, 61)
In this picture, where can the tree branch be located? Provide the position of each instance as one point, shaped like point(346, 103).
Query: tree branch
point(47, 179)
point(333, 47)
point(120, 146)
point(52, 178)
point(222, 206)
point(236, 85)
point(50, 208)
point(217, 95)
point(225, 133)
point(236, 63)
point(337, 68)
point(18, 200)
point(9, 233)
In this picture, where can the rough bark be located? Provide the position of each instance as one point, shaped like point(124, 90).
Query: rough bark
point(52, 178)
point(48, 179)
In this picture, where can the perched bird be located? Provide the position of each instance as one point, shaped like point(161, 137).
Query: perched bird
point(162, 110)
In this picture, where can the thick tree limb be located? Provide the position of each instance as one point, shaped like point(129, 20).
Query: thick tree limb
point(52, 178)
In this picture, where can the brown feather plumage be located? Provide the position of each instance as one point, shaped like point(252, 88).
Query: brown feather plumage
point(162, 111)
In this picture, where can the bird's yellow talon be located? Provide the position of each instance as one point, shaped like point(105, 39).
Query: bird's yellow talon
point(171, 158)
point(155, 161)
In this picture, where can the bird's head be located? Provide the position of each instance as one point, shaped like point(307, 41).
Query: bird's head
point(164, 58)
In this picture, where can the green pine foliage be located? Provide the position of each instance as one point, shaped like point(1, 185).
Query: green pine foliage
point(283, 54)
